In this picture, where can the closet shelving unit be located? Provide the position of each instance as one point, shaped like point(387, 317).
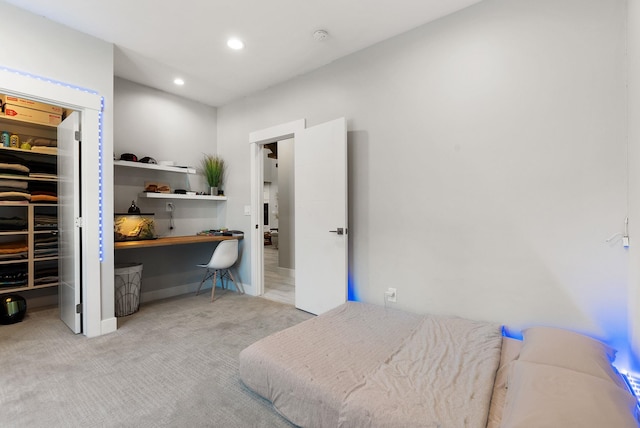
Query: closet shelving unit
point(30, 262)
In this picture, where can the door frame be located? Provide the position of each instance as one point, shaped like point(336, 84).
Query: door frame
point(89, 104)
point(257, 140)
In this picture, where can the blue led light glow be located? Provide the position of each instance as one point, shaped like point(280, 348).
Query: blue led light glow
point(100, 124)
point(634, 383)
point(351, 290)
point(100, 183)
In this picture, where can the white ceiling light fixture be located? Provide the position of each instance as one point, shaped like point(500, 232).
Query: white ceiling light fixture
point(235, 44)
point(178, 81)
point(320, 35)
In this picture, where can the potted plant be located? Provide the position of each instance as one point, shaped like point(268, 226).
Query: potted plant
point(213, 169)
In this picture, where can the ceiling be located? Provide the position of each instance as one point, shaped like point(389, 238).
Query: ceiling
point(156, 41)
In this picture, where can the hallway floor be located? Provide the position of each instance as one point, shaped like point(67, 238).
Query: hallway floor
point(278, 285)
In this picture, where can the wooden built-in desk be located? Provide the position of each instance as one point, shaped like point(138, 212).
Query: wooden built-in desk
point(172, 240)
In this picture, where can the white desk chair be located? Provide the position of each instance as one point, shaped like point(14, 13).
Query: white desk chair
point(224, 256)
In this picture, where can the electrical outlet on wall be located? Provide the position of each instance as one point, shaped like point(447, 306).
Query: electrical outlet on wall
point(391, 295)
point(169, 207)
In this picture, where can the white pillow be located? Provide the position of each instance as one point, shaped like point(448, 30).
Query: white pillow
point(564, 348)
point(546, 396)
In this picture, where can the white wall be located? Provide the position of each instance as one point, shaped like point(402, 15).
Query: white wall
point(286, 208)
point(163, 126)
point(41, 47)
point(270, 174)
point(487, 162)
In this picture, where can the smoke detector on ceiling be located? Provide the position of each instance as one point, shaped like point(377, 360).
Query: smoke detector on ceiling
point(320, 35)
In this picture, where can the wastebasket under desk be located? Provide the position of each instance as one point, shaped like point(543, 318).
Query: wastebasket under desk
point(128, 277)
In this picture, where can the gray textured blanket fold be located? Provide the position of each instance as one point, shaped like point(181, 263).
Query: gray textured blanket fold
point(441, 376)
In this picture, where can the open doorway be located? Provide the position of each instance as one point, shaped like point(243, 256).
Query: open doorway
point(321, 239)
point(279, 222)
point(258, 141)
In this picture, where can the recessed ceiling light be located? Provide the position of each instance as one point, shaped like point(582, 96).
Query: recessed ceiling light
point(235, 44)
point(178, 81)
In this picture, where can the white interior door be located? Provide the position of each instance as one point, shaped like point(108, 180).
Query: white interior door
point(69, 232)
point(321, 260)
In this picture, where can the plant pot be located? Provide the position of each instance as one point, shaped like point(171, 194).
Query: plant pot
point(213, 191)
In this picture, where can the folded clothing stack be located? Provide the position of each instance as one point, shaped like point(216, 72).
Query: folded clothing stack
point(46, 275)
point(9, 224)
point(41, 169)
point(14, 276)
point(45, 222)
point(44, 145)
point(13, 190)
point(14, 250)
point(45, 245)
point(43, 192)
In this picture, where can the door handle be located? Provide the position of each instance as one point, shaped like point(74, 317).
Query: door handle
point(339, 231)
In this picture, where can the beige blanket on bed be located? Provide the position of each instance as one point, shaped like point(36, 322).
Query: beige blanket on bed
point(329, 370)
point(441, 376)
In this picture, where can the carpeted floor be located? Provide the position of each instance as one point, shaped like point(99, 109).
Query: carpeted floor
point(172, 364)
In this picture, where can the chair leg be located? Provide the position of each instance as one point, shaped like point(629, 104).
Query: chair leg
point(213, 287)
point(240, 289)
point(204, 278)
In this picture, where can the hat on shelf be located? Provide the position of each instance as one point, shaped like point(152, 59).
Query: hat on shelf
point(129, 157)
point(147, 159)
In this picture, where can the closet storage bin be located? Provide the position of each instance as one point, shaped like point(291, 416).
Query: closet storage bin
point(127, 288)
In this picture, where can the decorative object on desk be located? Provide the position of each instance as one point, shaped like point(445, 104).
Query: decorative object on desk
point(213, 167)
point(133, 227)
point(13, 307)
point(156, 187)
point(133, 209)
point(211, 232)
point(221, 232)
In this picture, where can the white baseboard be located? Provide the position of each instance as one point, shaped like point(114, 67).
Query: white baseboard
point(179, 290)
point(291, 273)
point(165, 293)
point(249, 289)
point(109, 325)
point(42, 301)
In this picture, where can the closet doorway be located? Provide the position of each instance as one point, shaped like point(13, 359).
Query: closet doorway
point(83, 295)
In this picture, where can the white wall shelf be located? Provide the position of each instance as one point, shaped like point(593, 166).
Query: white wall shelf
point(178, 169)
point(180, 196)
